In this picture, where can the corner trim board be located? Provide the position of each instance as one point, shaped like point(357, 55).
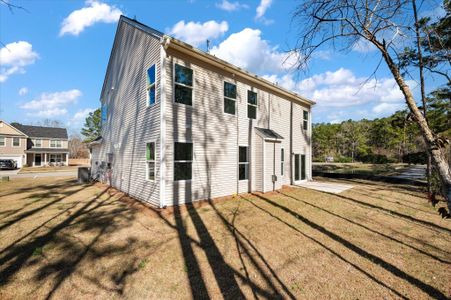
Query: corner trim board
point(162, 127)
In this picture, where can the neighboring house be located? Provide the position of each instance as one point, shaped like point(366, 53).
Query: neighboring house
point(179, 124)
point(33, 145)
point(13, 144)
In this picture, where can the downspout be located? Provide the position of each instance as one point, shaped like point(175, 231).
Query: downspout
point(164, 46)
point(274, 167)
point(291, 143)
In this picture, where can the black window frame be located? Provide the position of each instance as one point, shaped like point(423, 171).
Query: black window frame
point(229, 98)
point(186, 161)
point(150, 160)
point(251, 105)
point(183, 87)
point(243, 163)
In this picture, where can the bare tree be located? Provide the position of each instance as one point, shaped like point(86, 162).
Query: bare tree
point(383, 24)
point(77, 149)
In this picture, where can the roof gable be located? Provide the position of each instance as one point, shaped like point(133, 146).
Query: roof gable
point(7, 129)
point(41, 131)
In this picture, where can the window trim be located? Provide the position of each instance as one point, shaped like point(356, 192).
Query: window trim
point(224, 97)
point(12, 142)
point(282, 162)
point(256, 105)
point(305, 120)
point(4, 141)
point(154, 161)
point(181, 84)
point(56, 144)
point(149, 86)
point(35, 142)
point(182, 161)
point(244, 163)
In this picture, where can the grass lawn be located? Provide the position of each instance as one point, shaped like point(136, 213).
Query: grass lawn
point(47, 169)
point(60, 239)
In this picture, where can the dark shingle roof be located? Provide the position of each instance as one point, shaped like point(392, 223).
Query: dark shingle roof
point(269, 133)
point(41, 131)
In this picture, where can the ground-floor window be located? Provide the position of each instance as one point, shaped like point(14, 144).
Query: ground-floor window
point(243, 163)
point(183, 161)
point(303, 167)
point(150, 160)
point(56, 158)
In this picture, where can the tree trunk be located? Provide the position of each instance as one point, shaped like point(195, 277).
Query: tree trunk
point(431, 143)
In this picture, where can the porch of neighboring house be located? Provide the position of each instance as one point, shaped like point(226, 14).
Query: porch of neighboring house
point(48, 157)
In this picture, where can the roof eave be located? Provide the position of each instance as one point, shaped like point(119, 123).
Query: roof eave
point(170, 42)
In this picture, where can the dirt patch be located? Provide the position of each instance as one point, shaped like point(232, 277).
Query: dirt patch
point(62, 239)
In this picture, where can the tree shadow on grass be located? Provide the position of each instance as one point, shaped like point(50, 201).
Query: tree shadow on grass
point(428, 289)
point(366, 228)
point(99, 218)
point(426, 224)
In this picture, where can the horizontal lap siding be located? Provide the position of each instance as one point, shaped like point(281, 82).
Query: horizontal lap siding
point(216, 136)
point(302, 138)
point(131, 124)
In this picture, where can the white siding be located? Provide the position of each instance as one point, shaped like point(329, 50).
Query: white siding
point(130, 122)
point(216, 136)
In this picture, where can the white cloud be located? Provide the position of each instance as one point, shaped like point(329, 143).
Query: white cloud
point(231, 6)
point(261, 10)
point(79, 117)
point(248, 50)
point(93, 12)
point(196, 33)
point(52, 104)
point(14, 57)
point(333, 90)
point(23, 91)
point(49, 113)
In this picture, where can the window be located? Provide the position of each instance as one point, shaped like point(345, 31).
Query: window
point(55, 144)
point(282, 160)
point(183, 85)
point(2, 141)
point(183, 160)
point(151, 85)
point(243, 163)
point(16, 142)
point(104, 111)
point(303, 167)
point(251, 105)
point(150, 160)
point(37, 143)
point(305, 120)
point(229, 98)
point(56, 158)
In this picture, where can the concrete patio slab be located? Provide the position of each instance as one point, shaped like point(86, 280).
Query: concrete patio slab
point(328, 187)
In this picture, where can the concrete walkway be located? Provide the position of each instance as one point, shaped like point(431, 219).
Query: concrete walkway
point(43, 174)
point(328, 187)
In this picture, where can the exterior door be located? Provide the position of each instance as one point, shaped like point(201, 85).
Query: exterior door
point(303, 168)
point(37, 159)
point(297, 170)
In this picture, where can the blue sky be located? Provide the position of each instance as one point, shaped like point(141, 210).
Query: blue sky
point(54, 55)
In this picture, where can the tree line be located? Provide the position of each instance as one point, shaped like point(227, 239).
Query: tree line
point(391, 139)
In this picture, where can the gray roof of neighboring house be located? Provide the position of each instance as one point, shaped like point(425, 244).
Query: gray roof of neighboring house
point(47, 150)
point(269, 133)
point(41, 131)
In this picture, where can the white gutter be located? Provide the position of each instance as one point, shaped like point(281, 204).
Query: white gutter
point(170, 42)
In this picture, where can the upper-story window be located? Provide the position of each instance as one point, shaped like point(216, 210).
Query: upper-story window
point(2, 141)
point(103, 113)
point(151, 75)
point(37, 143)
point(16, 142)
point(55, 143)
point(305, 120)
point(183, 88)
point(229, 98)
point(251, 105)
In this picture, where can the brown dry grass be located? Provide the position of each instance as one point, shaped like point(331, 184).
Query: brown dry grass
point(64, 240)
point(47, 169)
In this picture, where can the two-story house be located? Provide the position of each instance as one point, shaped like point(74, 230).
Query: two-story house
point(33, 145)
point(180, 125)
